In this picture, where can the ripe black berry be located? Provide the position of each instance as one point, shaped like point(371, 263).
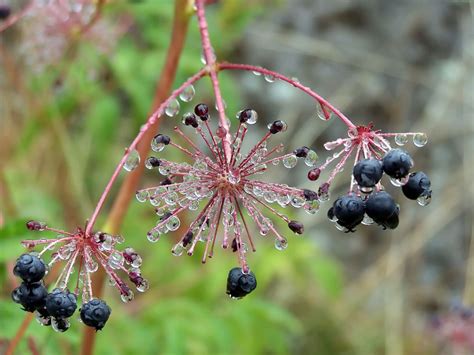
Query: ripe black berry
point(310, 195)
point(301, 152)
point(349, 211)
point(95, 313)
point(296, 227)
point(397, 163)
point(418, 184)
point(245, 115)
point(277, 126)
point(313, 174)
point(382, 208)
point(190, 119)
point(162, 139)
point(240, 284)
point(29, 268)
point(202, 111)
point(368, 172)
point(153, 162)
point(61, 304)
point(5, 12)
point(31, 296)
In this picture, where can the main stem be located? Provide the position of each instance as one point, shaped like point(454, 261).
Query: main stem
point(210, 59)
point(142, 144)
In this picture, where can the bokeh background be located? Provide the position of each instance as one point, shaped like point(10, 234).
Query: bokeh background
point(65, 118)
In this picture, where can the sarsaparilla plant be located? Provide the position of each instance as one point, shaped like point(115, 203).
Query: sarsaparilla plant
point(225, 186)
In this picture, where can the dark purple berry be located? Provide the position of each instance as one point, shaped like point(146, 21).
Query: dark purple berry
point(349, 211)
point(310, 195)
point(162, 139)
point(31, 296)
point(5, 12)
point(35, 225)
point(188, 238)
point(29, 268)
point(301, 152)
point(240, 284)
point(418, 184)
point(95, 313)
point(368, 172)
point(323, 190)
point(61, 304)
point(153, 162)
point(234, 245)
point(277, 126)
point(296, 227)
point(381, 207)
point(202, 111)
point(135, 277)
point(397, 163)
point(166, 181)
point(246, 115)
point(313, 174)
point(190, 119)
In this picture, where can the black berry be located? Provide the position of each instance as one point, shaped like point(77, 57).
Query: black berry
point(5, 12)
point(162, 139)
point(95, 313)
point(240, 284)
point(397, 163)
point(277, 126)
point(313, 174)
point(190, 119)
point(381, 207)
point(301, 152)
point(153, 162)
point(296, 227)
point(245, 115)
point(418, 184)
point(29, 268)
point(368, 172)
point(349, 211)
point(31, 296)
point(61, 304)
point(202, 111)
point(310, 195)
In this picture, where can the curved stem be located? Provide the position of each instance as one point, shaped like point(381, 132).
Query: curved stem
point(210, 58)
point(323, 102)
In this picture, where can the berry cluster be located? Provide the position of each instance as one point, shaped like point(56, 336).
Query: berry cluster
point(222, 185)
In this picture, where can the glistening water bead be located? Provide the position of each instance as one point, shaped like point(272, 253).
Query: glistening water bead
point(420, 139)
point(132, 160)
point(187, 94)
point(401, 139)
point(172, 109)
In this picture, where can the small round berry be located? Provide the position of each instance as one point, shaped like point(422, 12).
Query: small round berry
point(29, 268)
point(152, 162)
point(313, 174)
point(296, 227)
point(189, 119)
point(162, 139)
point(202, 111)
point(418, 183)
point(31, 296)
point(301, 152)
point(61, 304)
point(35, 225)
point(95, 313)
point(349, 211)
point(188, 238)
point(368, 172)
point(310, 195)
point(5, 12)
point(277, 126)
point(240, 284)
point(397, 163)
point(381, 207)
point(245, 115)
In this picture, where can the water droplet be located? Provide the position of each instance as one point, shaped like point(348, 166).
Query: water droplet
point(173, 223)
point(60, 325)
point(366, 190)
point(270, 196)
point(420, 139)
point(320, 113)
point(311, 158)
point(312, 207)
point(297, 201)
point(424, 199)
point(127, 297)
point(91, 265)
point(401, 139)
point(188, 93)
point(281, 244)
point(142, 195)
point(132, 160)
point(257, 191)
point(177, 250)
point(333, 144)
point(172, 109)
point(153, 235)
point(269, 78)
point(367, 221)
point(257, 73)
point(143, 286)
point(290, 161)
point(42, 319)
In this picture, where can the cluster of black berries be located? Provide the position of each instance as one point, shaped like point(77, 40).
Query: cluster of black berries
point(240, 284)
point(379, 207)
point(56, 307)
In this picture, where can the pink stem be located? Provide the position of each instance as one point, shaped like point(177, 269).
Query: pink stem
point(137, 139)
point(211, 67)
point(305, 89)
